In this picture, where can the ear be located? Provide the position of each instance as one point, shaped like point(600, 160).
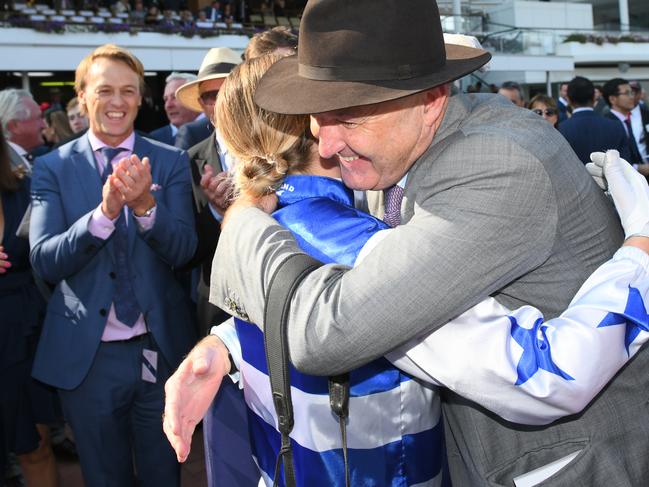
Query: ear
point(81, 96)
point(12, 125)
point(434, 105)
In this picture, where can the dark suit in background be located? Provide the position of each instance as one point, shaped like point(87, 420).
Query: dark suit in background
point(194, 132)
point(164, 135)
point(587, 132)
point(634, 154)
point(24, 402)
point(111, 431)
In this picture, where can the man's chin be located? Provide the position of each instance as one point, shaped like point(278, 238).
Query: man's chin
point(357, 182)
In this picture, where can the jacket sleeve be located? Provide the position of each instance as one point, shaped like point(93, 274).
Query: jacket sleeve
point(533, 371)
point(58, 250)
point(446, 259)
point(173, 235)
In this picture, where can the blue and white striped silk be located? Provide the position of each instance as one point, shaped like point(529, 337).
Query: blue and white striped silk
point(531, 370)
point(394, 431)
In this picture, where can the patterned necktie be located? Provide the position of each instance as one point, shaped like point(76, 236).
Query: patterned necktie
point(393, 197)
point(127, 309)
point(633, 146)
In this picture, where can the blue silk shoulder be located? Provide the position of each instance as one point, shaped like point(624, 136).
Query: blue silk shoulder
point(320, 213)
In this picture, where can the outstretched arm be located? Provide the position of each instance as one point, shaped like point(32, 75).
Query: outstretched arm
point(191, 389)
point(533, 371)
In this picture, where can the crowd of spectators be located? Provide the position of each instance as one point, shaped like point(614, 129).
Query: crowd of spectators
point(171, 13)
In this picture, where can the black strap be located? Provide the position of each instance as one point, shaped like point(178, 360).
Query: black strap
point(278, 301)
point(339, 403)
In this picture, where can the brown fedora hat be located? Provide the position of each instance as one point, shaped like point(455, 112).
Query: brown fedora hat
point(358, 52)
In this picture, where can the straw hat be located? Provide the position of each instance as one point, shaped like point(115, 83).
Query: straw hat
point(217, 64)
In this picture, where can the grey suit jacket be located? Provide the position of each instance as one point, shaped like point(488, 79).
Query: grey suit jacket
point(498, 205)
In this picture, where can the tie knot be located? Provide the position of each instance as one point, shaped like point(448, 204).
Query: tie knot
point(110, 153)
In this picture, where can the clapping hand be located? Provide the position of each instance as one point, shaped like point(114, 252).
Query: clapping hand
point(218, 188)
point(132, 178)
point(627, 187)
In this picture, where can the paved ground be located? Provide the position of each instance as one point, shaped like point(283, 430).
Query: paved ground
point(193, 471)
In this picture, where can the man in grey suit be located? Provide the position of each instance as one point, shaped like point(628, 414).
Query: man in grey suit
point(494, 204)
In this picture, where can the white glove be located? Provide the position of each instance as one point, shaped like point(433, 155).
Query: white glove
point(596, 169)
point(628, 189)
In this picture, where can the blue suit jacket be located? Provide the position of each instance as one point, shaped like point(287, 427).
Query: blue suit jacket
point(194, 132)
point(66, 189)
point(163, 134)
point(589, 132)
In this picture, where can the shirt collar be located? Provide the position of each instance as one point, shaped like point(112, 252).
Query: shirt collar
point(582, 109)
point(402, 182)
point(127, 144)
point(618, 115)
point(21, 152)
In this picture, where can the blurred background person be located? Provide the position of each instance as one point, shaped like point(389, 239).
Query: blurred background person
point(78, 121)
point(601, 107)
point(57, 128)
point(562, 103)
point(26, 406)
point(177, 113)
point(512, 91)
point(640, 119)
point(200, 95)
point(22, 123)
point(618, 94)
point(546, 107)
point(585, 130)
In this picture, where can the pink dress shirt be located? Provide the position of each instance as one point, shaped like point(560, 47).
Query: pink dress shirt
point(102, 227)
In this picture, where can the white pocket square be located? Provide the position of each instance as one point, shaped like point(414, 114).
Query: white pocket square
point(155, 187)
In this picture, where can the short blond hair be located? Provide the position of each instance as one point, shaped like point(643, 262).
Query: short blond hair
point(108, 51)
point(266, 145)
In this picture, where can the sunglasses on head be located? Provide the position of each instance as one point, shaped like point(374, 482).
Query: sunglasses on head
point(209, 97)
point(548, 112)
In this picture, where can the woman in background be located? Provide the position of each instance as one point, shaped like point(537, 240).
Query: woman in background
point(57, 128)
point(546, 107)
point(25, 405)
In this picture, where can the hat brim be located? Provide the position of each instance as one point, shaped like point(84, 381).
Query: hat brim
point(188, 93)
point(282, 90)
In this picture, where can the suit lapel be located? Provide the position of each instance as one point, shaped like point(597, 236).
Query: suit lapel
point(85, 168)
point(141, 148)
point(208, 154)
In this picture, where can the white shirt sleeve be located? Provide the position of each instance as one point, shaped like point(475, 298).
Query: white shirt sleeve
point(532, 371)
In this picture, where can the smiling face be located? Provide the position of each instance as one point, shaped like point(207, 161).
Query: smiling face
point(377, 144)
point(112, 98)
point(27, 132)
point(176, 113)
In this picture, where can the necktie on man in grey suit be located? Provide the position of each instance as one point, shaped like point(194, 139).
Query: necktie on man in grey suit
point(127, 309)
point(393, 197)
